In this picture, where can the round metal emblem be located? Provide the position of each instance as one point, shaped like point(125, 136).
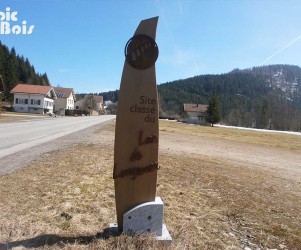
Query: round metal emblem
point(141, 52)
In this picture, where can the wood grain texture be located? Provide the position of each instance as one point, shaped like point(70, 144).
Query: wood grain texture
point(137, 133)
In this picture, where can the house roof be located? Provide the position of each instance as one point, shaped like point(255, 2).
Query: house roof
point(63, 92)
point(31, 89)
point(191, 107)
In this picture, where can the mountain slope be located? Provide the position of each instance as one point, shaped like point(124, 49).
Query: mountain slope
point(261, 97)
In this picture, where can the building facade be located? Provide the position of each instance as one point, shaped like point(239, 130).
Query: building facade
point(65, 100)
point(33, 99)
point(196, 113)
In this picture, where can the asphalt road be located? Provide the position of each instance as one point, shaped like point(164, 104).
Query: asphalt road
point(19, 135)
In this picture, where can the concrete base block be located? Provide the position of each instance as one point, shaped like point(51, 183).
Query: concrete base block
point(113, 229)
point(146, 218)
point(165, 236)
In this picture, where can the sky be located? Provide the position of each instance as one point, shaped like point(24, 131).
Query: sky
point(80, 43)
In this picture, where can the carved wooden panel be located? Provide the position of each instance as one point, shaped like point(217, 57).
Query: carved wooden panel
point(137, 127)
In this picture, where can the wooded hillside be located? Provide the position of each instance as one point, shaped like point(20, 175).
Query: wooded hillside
point(260, 97)
point(16, 69)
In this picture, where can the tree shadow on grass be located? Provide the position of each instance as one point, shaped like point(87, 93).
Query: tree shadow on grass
point(52, 239)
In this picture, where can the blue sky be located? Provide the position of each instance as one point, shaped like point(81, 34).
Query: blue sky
point(80, 44)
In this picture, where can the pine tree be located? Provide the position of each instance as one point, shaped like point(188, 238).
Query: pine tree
point(45, 79)
point(16, 69)
point(213, 113)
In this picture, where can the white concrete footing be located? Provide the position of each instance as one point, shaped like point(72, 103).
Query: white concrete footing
point(146, 218)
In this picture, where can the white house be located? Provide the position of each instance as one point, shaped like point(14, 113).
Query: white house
point(33, 98)
point(196, 113)
point(65, 100)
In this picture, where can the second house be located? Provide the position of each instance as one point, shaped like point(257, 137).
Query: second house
point(65, 100)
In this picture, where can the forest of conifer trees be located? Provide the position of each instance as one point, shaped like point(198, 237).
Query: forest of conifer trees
point(16, 69)
point(249, 98)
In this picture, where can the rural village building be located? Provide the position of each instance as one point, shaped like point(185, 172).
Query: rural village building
point(65, 100)
point(99, 105)
point(196, 113)
point(33, 98)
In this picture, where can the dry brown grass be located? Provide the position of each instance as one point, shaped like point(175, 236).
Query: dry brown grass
point(277, 140)
point(10, 118)
point(25, 114)
point(16, 116)
point(66, 200)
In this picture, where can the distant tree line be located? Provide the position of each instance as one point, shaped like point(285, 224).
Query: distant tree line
point(247, 97)
point(107, 96)
point(16, 69)
point(291, 72)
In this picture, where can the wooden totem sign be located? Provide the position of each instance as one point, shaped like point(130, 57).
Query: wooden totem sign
point(137, 123)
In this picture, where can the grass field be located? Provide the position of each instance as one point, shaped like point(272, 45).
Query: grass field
point(16, 116)
point(10, 118)
point(66, 199)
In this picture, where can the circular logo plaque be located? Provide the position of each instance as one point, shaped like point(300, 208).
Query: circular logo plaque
point(141, 52)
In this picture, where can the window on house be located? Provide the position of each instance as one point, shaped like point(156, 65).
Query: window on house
point(48, 104)
point(21, 101)
point(35, 102)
